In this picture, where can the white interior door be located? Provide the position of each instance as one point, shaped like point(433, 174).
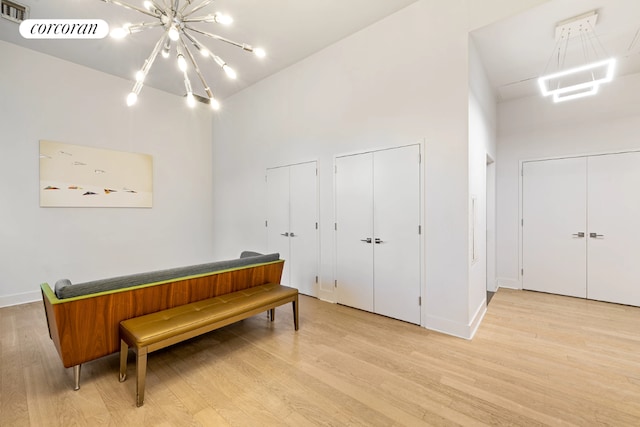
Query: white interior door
point(396, 221)
point(354, 237)
point(278, 217)
point(554, 213)
point(303, 233)
point(614, 217)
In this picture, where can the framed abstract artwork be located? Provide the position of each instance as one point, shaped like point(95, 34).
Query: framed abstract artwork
point(80, 176)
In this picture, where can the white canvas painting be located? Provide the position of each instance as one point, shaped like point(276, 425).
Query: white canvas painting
point(79, 176)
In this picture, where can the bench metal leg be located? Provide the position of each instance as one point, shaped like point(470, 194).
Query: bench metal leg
point(295, 313)
point(76, 377)
point(272, 314)
point(124, 352)
point(141, 374)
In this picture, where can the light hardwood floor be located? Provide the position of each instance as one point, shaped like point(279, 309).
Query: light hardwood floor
point(537, 359)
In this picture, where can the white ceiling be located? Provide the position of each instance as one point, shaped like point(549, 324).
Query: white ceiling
point(289, 30)
point(515, 51)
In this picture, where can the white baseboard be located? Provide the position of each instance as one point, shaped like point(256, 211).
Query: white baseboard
point(477, 318)
point(447, 327)
point(17, 299)
point(457, 329)
point(504, 282)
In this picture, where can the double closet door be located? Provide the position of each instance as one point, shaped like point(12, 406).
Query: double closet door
point(378, 232)
point(581, 227)
point(292, 223)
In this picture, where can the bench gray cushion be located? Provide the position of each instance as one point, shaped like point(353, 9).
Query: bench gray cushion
point(65, 289)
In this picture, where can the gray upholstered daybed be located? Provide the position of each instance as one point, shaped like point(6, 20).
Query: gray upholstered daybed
point(84, 318)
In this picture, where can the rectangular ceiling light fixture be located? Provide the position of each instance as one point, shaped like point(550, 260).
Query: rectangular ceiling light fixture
point(577, 82)
point(583, 80)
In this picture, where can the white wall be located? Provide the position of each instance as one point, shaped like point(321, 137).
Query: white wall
point(46, 98)
point(399, 81)
point(482, 143)
point(534, 128)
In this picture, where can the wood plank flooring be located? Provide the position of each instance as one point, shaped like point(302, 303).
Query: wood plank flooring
point(537, 359)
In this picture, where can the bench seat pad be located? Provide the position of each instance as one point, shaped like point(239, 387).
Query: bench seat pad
point(155, 327)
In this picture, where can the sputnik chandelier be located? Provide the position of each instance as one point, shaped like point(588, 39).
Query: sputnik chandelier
point(176, 17)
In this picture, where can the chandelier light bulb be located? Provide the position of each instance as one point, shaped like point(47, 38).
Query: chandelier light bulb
point(148, 5)
point(174, 34)
point(166, 49)
point(259, 52)
point(215, 105)
point(230, 71)
point(182, 63)
point(223, 19)
point(119, 33)
point(191, 100)
point(140, 76)
point(132, 98)
point(204, 52)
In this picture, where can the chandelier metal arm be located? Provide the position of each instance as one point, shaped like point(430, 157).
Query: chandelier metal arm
point(137, 87)
point(141, 26)
point(197, 44)
point(152, 56)
point(184, 6)
point(198, 72)
point(183, 66)
point(205, 3)
point(132, 7)
point(157, 8)
point(220, 38)
point(206, 18)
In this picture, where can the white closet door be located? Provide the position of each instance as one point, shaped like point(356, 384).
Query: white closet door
point(278, 217)
point(354, 219)
point(396, 219)
point(554, 212)
point(614, 216)
point(303, 234)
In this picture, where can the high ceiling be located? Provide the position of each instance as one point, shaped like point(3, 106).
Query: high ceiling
point(289, 30)
point(515, 51)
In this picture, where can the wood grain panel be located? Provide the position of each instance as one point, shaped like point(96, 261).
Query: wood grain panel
point(87, 328)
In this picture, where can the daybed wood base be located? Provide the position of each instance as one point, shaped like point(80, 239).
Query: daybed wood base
point(85, 328)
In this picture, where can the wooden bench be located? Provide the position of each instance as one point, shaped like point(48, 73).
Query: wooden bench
point(84, 318)
point(154, 331)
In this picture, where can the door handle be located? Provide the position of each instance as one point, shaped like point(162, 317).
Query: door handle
point(595, 235)
point(292, 235)
point(284, 234)
point(367, 240)
point(378, 241)
point(579, 234)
